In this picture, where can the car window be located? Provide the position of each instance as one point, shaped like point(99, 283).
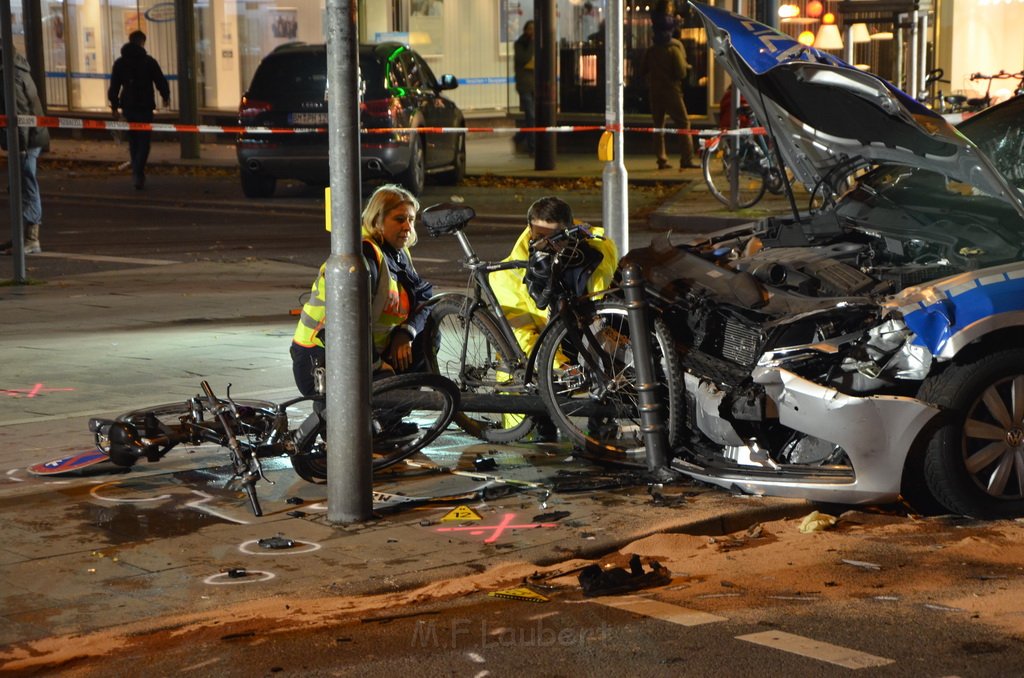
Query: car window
point(298, 74)
point(428, 81)
point(372, 72)
point(999, 133)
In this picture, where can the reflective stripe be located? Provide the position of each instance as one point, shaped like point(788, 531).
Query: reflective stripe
point(311, 320)
point(391, 305)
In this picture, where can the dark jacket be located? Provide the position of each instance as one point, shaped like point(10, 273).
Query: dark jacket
point(27, 102)
point(523, 54)
point(133, 78)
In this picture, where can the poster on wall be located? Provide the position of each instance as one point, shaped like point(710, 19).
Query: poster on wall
point(514, 14)
point(426, 26)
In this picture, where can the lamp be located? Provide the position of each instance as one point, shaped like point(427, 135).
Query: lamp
point(882, 35)
point(814, 8)
point(806, 38)
point(828, 37)
point(788, 11)
point(859, 33)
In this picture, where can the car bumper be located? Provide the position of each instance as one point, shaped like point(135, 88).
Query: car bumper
point(876, 432)
point(310, 163)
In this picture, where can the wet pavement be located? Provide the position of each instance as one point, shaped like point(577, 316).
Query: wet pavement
point(107, 548)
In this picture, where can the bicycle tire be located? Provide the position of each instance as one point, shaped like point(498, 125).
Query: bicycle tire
point(311, 465)
point(607, 428)
point(487, 359)
point(717, 160)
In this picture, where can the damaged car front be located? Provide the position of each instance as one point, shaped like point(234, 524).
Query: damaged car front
point(874, 348)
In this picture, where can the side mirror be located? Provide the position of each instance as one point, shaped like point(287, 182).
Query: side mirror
point(448, 81)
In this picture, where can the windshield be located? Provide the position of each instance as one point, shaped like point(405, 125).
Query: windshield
point(999, 133)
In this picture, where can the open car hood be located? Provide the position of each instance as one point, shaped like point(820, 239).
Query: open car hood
point(829, 118)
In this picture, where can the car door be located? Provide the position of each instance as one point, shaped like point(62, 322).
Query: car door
point(436, 111)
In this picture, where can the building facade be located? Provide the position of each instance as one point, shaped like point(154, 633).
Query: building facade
point(72, 44)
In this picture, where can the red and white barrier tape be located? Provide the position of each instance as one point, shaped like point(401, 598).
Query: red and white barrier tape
point(121, 125)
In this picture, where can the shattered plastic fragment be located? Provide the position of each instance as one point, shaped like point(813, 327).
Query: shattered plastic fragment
point(276, 543)
point(815, 521)
point(862, 564)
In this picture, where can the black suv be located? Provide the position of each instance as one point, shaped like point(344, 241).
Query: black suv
point(398, 91)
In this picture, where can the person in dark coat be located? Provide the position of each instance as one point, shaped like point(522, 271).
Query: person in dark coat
point(525, 86)
point(31, 142)
point(666, 67)
point(132, 80)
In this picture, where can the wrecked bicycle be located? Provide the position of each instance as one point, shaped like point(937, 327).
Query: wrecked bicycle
point(581, 366)
point(408, 412)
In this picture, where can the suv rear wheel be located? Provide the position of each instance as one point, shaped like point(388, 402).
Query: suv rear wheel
point(257, 185)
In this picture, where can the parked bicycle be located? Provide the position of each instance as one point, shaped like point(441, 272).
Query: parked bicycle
point(958, 103)
point(408, 412)
point(581, 367)
point(749, 155)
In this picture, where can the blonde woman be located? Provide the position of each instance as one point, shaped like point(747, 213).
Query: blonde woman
point(388, 227)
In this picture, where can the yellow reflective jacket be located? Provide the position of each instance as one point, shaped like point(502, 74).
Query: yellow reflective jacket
point(526, 319)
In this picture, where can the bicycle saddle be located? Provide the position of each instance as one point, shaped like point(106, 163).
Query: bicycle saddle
point(446, 217)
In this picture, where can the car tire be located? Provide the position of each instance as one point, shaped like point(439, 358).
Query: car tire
point(257, 185)
point(415, 175)
point(455, 175)
point(974, 460)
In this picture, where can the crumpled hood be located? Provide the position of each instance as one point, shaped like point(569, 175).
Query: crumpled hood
point(827, 116)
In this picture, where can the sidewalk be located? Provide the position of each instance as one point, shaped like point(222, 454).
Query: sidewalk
point(127, 552)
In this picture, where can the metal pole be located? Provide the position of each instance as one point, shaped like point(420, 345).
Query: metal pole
point(188, 104)
point(651, 422)
point(13, 151)
point(545, 41)
point(912, 66)
point(349, 468)
point(615, 194)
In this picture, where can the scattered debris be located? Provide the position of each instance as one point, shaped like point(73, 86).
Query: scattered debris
point(296, 514)
point(862, 564)
point(295, 500)
point(815, 521)
point(276, 543)
point(482, 463)
point(942, 608)
point(237, 572)
point(550, 516)
point(597, 582)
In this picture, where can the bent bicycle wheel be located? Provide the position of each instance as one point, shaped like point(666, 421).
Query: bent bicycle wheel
point(255, 417)
point(599, 409)
point(479, 360)
point(409, 412)
point(718, 160)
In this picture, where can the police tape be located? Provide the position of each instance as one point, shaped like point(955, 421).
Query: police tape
point(124, 126)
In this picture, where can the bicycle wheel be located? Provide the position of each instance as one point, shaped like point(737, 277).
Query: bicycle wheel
point(486, 369)
point(600, 412)
point(256, 417)
point(717, 161)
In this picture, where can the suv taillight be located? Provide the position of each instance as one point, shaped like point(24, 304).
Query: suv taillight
point(380, 108)
point(252, 108)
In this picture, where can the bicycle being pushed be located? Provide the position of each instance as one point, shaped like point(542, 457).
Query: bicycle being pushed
point(581, 367)
point(408, 412)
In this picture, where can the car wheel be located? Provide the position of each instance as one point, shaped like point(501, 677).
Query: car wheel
point(455, 175)
point(414, 176)
point(256, 185)
point(974, 461)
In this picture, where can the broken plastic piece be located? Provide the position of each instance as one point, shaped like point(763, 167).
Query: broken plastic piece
point(296, 514)
point(550, 516)
point(276, 543)
point(815, 521)
point(237, 572)
point(295, 500)
point(597, 582)
point(484, 463)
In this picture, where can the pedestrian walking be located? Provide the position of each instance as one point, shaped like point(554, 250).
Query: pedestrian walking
point(525, 86)
point(32, 141)
point(132, 80)
point(665, 67)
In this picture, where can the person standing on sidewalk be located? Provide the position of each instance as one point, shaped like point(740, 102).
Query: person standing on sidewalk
point(132, 80)
point(32, 141)
point(525, 87)
point(666, 67)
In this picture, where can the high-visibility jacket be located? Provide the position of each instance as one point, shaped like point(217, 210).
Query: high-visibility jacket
point(390, 306)
point(526, 319)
